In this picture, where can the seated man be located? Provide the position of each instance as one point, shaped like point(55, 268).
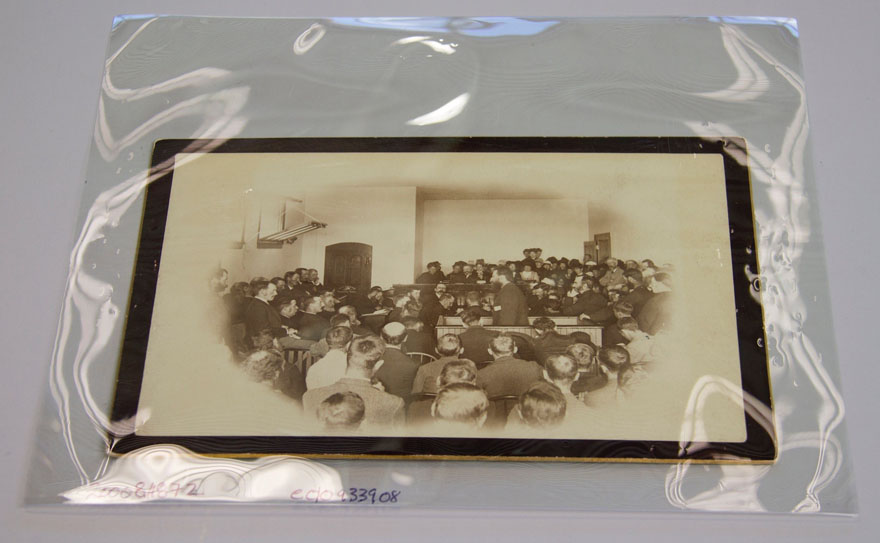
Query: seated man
point(320, 348)
point(432, 311)
point(613, 279)
point(364, 359)
point(623, 378)
point(655, 314)
point(585, 302)
point(454, 371)
point(457, 275)
point(356, 326)
point(311, 325)
point(639, 345)
point(542, 406)
point(431, 277)
point(562, 371)
point(460, 407)
point(259, 314)
point(507, 375)
point(473, 300)
point(475, 339)
point(342, 412)
point(467, 274)
point(538, 300)
point(331, 367)
point(548, 341)
point(268, 366)
point(638, 294)
point(417, 340)
point(399, 370)
point(328, 304)
point(449, 349)
point(611, 334)
point(590, 374)
point(374, 301)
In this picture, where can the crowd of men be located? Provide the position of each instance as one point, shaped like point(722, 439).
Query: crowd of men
point(377, 361)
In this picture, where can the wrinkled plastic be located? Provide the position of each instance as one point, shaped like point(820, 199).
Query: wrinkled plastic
point(178, 77)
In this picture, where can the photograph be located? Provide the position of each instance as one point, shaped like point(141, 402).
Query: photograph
point(470, 297)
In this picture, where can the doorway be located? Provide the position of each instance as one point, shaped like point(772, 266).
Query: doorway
point(603, 246)
point(348, 264)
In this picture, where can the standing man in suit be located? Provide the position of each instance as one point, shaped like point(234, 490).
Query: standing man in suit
point(381, 410)
point(475, 339)
point(510, 307)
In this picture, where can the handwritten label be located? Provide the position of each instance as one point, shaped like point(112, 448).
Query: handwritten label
point(352, 495)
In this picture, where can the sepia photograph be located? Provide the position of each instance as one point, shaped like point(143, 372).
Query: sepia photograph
point(467, 298)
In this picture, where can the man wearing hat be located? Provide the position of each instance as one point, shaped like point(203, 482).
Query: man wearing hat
point(432, 276)
point(457, 275)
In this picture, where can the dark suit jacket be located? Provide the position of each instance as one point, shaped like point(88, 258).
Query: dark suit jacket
point(589, 302)
point(430, 314)
point(291, 382)
point(428, 279)
point(552, 343)
point(312, 327)
point(510, 307)
point(654, 316)
point(397, 373)
point(475, 341)
point(508, 377)
point(418, 342)
point(258, 315)
point(638, 297)
point(361, 303)
point(611, 336)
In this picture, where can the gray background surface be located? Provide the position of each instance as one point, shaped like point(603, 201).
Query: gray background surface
point(53, 59)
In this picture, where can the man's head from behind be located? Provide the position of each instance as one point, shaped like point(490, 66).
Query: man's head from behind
point(457, 371)
point(339, 337)
point(502, 275)
point(263, 366)
point(629, 328)
point(544, 325)
point(342, 411)
point(449, 345)
point(364, 356)
point(463, 404)
point(561, 370)
point(542, 406)
point(394, 334)
point(471, 317)
point(502, 346)
point(613, 357)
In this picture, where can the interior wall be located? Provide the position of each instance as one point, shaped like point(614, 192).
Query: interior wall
point(636, 234)
point(501, 229)
point(384, 217)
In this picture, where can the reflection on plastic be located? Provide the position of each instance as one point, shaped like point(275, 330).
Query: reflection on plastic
point(443, 113)
point(471, 26)
point(169, 472)
point(781, 235)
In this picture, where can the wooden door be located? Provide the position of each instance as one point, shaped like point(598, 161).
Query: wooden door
point(348, 264)
point(603, 246)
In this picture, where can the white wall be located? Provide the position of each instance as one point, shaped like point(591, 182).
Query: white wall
point(501, 229)
point(382, 217)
